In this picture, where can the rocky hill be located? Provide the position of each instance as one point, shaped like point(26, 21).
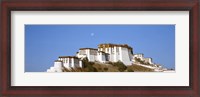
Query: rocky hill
point(109, 67)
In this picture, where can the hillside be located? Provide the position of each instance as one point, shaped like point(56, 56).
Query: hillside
point(108, 67)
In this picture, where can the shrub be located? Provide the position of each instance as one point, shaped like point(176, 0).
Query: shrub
point(130, 70)
point(88, 65)
point(120, 65)
point(85, 62)
point(99, 68)
point(105, 69)
point(110, 63)
point(91, 68)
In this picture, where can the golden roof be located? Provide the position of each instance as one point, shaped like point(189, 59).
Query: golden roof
point(106, 45)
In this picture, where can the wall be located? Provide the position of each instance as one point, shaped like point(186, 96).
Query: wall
point(76, 62)
point(125, 56)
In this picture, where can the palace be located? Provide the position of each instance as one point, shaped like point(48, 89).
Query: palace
point(108, 52)
point(104, 53)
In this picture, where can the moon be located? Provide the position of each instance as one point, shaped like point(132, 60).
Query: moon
point(92, 34)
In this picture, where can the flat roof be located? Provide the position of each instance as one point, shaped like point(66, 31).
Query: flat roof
point(88, 48)
point(57, 61)
point(68, 57)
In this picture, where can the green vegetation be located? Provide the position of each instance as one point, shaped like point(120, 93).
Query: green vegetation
point(108, 67)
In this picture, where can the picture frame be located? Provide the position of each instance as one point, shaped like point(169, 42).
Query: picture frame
point(193, 90)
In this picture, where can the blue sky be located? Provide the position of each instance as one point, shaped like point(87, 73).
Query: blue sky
point(45, 43)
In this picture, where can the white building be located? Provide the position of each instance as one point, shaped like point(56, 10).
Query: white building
point(102, 56)
point(70, 61)
point(107, 52)
point(67, 62)
point(142, 58)
point(148, 60)
point(90, 53)
point(117, 52)
point(57, 67)
point(104, 53)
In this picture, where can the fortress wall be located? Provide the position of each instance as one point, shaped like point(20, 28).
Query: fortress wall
point(125, 56)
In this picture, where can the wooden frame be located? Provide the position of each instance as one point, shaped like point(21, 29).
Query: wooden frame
point(98, 5)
